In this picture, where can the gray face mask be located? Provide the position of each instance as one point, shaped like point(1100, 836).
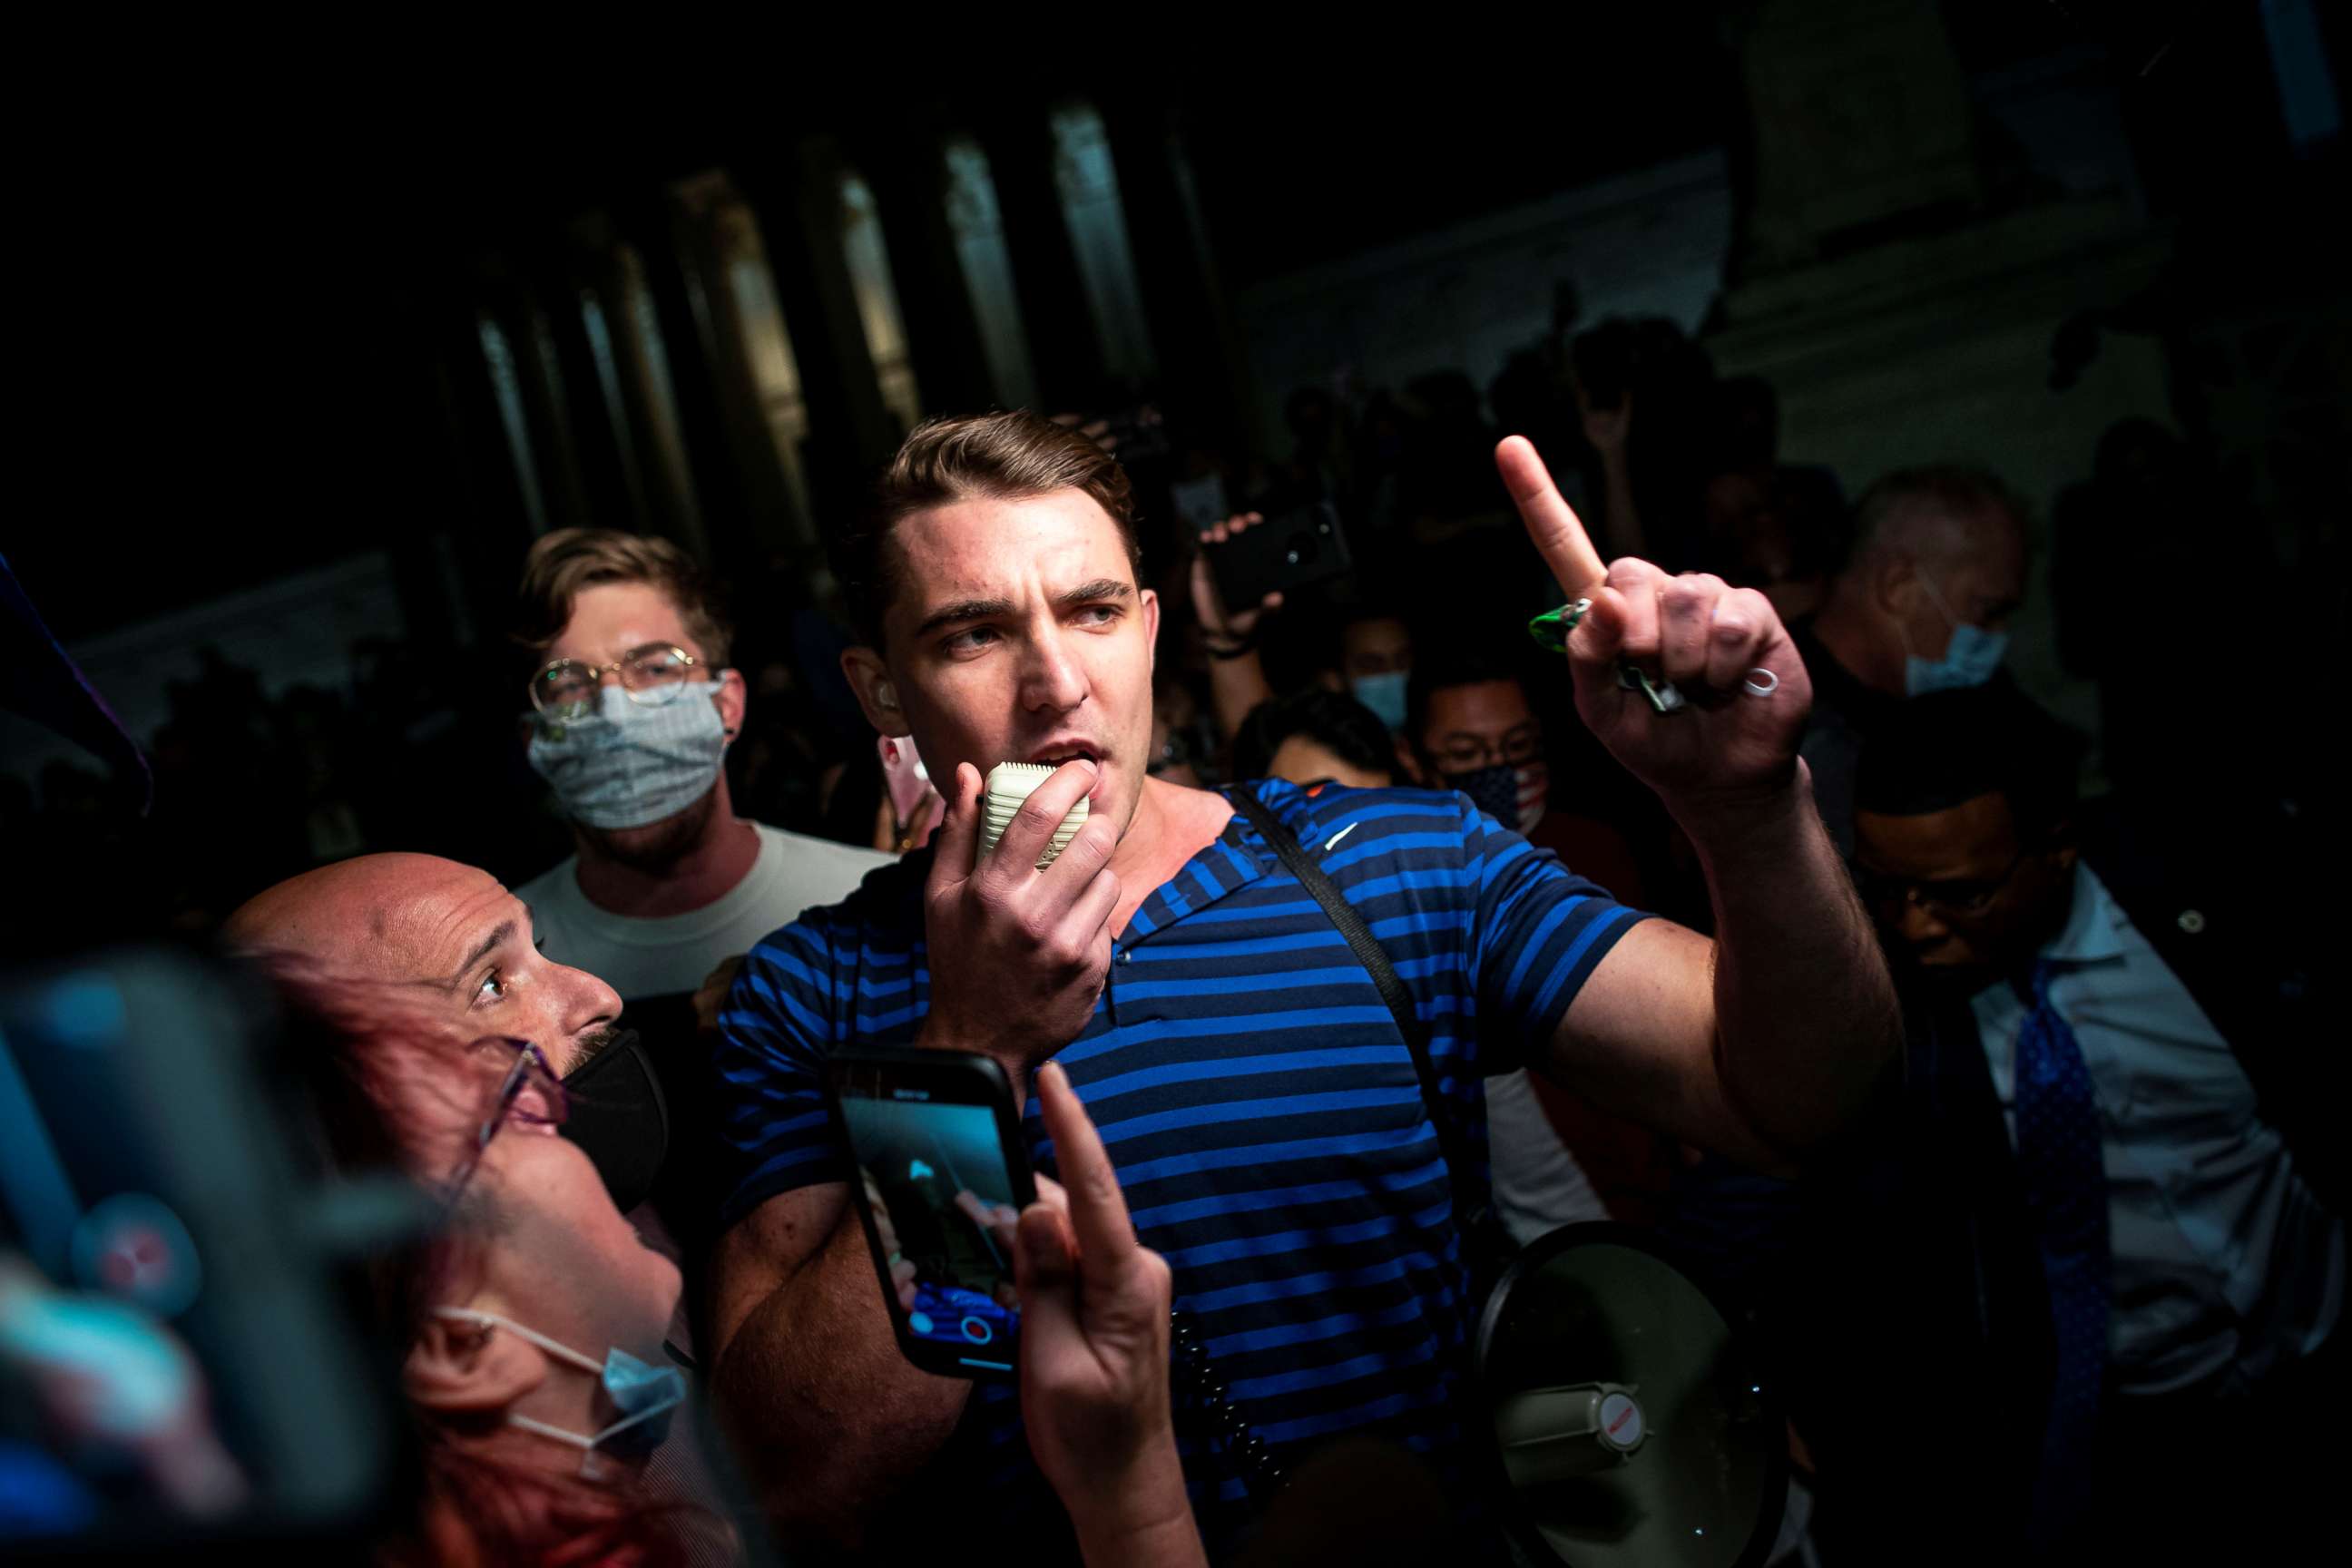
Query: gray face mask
point(629, 763)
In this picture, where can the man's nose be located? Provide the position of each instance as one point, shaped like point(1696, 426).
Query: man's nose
point(1921, 928)
point(588, 1003)
point(1054, 681)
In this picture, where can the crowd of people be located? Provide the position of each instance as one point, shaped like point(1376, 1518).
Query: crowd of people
point(1753, 906)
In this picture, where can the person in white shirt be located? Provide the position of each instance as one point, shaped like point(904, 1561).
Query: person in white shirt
point(631, 711)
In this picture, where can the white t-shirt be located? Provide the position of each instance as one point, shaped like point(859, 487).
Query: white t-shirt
point(1538, 1186)
point(641, 958)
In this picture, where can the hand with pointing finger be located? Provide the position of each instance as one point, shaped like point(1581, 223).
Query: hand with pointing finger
point(1094, 1356)
point(1735, 737)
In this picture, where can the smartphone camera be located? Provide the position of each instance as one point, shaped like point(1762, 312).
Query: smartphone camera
point(940, 1178)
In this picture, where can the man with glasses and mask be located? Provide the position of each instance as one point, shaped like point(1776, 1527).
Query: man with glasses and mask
point(1936, 573)
point(630, 711)
point(2091, 1221)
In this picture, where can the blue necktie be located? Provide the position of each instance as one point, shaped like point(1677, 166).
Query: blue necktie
point(2064, 1175)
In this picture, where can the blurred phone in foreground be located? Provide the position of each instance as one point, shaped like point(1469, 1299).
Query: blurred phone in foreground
point(175, 1277)
point(940, 1178)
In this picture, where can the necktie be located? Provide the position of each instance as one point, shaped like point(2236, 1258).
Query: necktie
point(2064, 1177)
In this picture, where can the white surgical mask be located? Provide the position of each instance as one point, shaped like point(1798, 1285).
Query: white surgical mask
point(644, 1394)
point(630, 764)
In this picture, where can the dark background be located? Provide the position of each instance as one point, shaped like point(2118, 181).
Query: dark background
point(257, 262)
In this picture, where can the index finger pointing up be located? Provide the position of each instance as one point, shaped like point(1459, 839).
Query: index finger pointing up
point(1575, 565)
point(1097, 1210)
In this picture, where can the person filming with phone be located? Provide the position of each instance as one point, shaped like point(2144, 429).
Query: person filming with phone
point(1291, 1143)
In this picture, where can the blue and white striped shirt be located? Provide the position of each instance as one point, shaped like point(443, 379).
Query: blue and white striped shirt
point(1252, 1090)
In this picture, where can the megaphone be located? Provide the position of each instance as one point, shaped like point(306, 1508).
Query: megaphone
point(1633, 1424)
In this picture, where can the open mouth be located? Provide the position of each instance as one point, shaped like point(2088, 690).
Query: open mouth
point(1053, 756)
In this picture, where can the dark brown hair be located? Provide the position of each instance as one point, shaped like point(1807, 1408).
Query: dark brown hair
point(1005, 456)
point(562, 563)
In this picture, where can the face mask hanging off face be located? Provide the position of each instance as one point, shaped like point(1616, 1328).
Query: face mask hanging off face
point(630, 764)
point(1515, 796)
point(1384, 695)
point(644, 1394)
point(1971, 658)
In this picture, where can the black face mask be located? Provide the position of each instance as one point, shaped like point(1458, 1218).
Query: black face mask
point(619, 1119)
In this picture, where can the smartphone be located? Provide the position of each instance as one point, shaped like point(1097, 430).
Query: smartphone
point(157, 1180)
point(940, 1174)
point(1281, 553)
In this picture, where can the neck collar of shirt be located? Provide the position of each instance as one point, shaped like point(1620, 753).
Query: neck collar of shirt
point(1228, 863)
point(2092, 934)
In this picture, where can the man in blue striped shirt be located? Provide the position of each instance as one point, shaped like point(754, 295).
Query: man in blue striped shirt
point(1253, 1091)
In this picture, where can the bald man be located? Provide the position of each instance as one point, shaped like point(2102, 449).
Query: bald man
point(419, 920)
point(1924, 604)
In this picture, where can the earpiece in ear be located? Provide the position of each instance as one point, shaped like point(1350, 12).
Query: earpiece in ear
point(886, 694)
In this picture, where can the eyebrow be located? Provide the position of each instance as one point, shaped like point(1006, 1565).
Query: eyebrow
point(964, 610)
point(490, 944)
point(1101, 588)
point(1092, 593)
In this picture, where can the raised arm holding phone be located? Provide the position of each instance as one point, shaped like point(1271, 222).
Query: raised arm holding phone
point(1257, 1096)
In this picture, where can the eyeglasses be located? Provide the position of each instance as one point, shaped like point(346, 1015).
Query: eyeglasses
point(529, 1093)
point(651, 676)
point(1964, 898)
point(1461, 751)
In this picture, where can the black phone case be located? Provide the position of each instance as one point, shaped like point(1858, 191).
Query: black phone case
point(974, 1079)
point(1307, 545)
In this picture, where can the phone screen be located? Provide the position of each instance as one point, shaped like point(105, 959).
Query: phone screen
point(943, 1207)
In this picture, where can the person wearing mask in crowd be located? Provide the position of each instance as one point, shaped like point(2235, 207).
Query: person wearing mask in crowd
point(1271, 1131)
point(442, 1042)
point(1373, 653)
point(631, 709)
point(2096, 1210)
point(1473, 729)
point(1923, 604)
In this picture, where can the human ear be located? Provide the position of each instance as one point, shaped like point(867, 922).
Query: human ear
point(877, 694)
point(1895, 586)
point(732, 699)
point(456, 1366)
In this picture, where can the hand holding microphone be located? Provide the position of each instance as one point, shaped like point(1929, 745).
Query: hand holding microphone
point(1020, 932)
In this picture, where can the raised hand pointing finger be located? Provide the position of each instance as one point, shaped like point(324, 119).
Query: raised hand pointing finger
point(1557, 533)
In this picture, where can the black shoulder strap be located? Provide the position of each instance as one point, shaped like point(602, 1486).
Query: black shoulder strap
point(1375, 960)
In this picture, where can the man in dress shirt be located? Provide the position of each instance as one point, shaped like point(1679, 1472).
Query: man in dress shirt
point(2156, 1281)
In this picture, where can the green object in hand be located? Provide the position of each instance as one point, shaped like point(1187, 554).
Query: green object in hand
point(1552, 628)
